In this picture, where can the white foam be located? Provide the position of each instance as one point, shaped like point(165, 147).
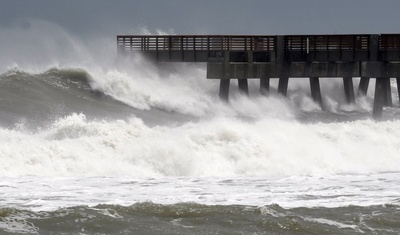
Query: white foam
point(146, 88)
point(48, 194)
point(219, 146)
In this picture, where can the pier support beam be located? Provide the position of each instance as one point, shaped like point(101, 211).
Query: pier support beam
point(398, 88)
point(243, 86)
point(363, 86)
point(224, 89)
point(378, 98)
point(349, 90)
point(264, 86)
point(387, 97)
point(283, 85)
point(316, 90)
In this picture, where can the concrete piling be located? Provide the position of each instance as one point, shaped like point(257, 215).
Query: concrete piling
point(243, 86)
point(398, 88)
point(378, 98)
point(283, 85)
point(387, 93)
point(316, 91)
point(349, 90)
point(224, 89)
point(264, 86)
point(363, 86)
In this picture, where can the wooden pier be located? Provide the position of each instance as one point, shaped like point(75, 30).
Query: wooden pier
point(264, 57)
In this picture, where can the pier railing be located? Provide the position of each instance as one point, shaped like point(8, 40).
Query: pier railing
point(196, 42)
point(253, 43)
point(327, 42)
point(296, 47)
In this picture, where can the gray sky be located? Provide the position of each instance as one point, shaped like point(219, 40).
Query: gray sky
point(86, 18)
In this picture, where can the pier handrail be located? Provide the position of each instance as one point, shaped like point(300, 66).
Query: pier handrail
point(196, 42)
point(327, 42)
point(345, 42)
point(389, 42)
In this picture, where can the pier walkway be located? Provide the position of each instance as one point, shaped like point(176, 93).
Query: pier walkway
point(264, 57)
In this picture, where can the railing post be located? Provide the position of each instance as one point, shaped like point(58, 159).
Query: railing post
point(208, 44)
point(373, 47)
point(170, 47)
point(354, 47)
point(398, 45)
point(340, 47)
point(327, 47)
point(315, 46)
point(194, 48)
point(280, 50)
point(120, 48)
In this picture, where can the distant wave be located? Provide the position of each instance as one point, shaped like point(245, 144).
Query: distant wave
point(39, 99)
point(158, 97)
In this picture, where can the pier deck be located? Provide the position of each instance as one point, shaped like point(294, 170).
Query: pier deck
point(291, 56)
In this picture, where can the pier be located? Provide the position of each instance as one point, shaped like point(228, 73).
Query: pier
point(285, 57)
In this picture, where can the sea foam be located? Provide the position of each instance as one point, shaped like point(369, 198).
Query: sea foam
point(220, 146)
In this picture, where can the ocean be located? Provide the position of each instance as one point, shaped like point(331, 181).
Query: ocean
point(132, 148)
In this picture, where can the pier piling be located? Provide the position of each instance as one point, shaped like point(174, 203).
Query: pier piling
point(283, 85)
point(363, 86)
point(387, 95)
point(316, 91)
point(398, 88)
point(264, 86)
point(378, 98)
point(243, 86)
point(224, 89)
point(349, 90)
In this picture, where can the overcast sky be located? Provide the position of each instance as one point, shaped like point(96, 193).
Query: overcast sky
point(105, 17)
